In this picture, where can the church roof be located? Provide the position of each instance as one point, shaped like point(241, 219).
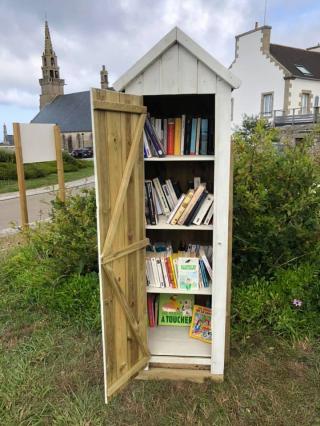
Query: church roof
point(71, 112)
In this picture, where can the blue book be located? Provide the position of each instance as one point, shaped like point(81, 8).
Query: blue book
point(204, 137)
point(193, 137)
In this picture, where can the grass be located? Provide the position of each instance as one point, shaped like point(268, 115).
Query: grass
point(52, 179)
point(51, 373)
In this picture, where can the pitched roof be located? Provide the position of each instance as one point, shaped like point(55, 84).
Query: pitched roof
point(290, 57)
point(71, 112)
point(173, 37)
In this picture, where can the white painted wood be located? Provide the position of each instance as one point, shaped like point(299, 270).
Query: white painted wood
point(136, 86)
point(97, 186)
point(158, 359)
point(204, 290)
point(187, 71)
point(169, 71)
point(151, 78)
point(37, 142)
point(162, 224)
point(173, 37)
point(221, 223)
point(175, 341)
point(182, 158)
point(207, 80)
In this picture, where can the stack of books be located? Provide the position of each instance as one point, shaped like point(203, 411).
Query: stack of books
point(187, 269)
point(184, 135)
point(165, 198)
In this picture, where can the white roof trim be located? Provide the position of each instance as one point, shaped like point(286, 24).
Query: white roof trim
point(176, 36)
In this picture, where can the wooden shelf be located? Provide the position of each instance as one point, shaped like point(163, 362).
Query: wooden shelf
point(182, 158)
point(175, 341)
point(162, 224)
point(203, 290)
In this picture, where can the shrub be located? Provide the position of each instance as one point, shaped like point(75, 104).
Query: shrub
point(288, 304)
point(7, 156)
point(276, 202)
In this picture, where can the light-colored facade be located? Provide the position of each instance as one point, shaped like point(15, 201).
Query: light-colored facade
point(276, 82)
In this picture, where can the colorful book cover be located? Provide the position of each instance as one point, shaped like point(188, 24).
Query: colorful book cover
point(175, 309)
point(193, 136)
point(200, 327)
point(170, 136)
point(188, 273)
point(177, 136)
point(204, 136)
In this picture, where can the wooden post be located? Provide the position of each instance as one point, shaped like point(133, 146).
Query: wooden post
point(57, 142)
point(20, 174)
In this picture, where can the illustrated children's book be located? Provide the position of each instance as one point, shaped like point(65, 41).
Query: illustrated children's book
point(175, 309)
point(200, 327)
point(188, 273)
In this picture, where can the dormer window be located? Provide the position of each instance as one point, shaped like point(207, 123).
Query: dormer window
point(303, 70)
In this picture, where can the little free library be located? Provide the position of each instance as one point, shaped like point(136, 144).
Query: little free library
point(163, 184)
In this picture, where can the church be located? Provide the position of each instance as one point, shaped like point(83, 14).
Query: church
point(70, 111)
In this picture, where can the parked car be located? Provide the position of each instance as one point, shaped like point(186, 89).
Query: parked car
point(82, 153)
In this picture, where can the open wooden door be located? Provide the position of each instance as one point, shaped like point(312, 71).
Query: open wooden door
point(118, 121)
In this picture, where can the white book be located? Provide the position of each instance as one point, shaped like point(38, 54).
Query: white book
point(165, 272)
point(158, 129)
point(163, 202)
point(196, 182)
point(209, 215)
point(206, 204)
point(198, 135)
point(160, 272)
point(172, 191)
point(183, 126)
point(180, 201)
point(155, 272)
point(168, 196)
point(206, 262)
point(156, 201)
point(149, 272)
point(153, 192)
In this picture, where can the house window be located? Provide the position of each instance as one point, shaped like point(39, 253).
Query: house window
point(305, 103)
point(303, 70)
point(267, 104)
point(316, 102)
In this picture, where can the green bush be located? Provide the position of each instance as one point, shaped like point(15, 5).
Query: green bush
point(7, 156)
point(276, 202)
point(288, 304)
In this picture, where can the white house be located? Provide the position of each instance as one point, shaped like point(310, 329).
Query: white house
point(278, 82)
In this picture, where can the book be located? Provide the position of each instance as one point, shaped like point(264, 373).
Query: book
point(150, 309)
point(163, 202)
point(203, 209)
point(165, 135)
point(182, 207)
point(193, 136)
point(172, 191)
point(177, 135)
point(170, 136)
point(183, 126)
point(200, 327)
point(195, 209)
point(169, 199)
point(206, 262)
point(204, 136)
point(187, 135)
point(153, 138)
point(151, 212)
point(175, 310)
point(198, 135)
point(188, 273)
point(187, 210)
point(208, 216)
point(172, 214)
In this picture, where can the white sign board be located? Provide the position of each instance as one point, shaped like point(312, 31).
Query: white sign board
point(37, 142)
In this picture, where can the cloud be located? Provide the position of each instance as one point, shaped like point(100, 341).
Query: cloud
point(87, 34)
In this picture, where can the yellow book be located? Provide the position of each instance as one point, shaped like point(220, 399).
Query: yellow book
point(173, 256)
point(200, 327)
point(177, 136)
point(183, 206)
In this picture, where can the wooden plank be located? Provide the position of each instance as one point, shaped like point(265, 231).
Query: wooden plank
point(207, 79)
point(169, 71)
point(126, 308)
point(187, 72)
point(127, 250)
point(151, 80)
point(124, 185)
point(127, 376)
point(114, 106)
point(195, 376)
point(59, 159)
point(21, 177)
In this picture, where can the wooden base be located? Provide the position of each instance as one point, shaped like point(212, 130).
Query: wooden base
point(196, 376)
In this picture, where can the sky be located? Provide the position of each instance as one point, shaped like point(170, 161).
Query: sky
point(89, 33)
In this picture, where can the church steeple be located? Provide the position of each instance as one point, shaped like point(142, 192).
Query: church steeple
point(104, 80)
point(51, 83)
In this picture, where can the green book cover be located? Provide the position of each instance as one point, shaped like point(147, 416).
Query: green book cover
point(175, 309)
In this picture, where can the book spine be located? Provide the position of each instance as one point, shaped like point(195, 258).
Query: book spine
point(160, 273)
point(162, 198)
point(182, 207)
point(193, 136)
point(177, 136)
point(165, 135)
point(168, 196)
point(209, 216)
point(165, 273)
point(169, 272)
point(146, 146)
point(187, 135)
point(155, 272)
point(183, 128)
point(203, 210)
point(152, 213)
point(173, 272)
point(195, 209)
point(172, 191)
point(170, 137)
point(198, 135)
point(191, 204)
point(206, 264)
point(174, 211)
point(153, 138)
point(204, 136)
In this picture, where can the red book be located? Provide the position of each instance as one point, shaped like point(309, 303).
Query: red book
point(170, 137)
point(150, 307)
point(169, 272)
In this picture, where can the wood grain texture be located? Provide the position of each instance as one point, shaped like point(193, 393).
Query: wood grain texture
point(21, 177)
point(196, 376)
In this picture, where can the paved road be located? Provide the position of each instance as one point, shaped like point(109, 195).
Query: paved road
point(38, 204)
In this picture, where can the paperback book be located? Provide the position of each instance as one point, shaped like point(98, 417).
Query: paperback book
point(175, 310)
point(200, 327)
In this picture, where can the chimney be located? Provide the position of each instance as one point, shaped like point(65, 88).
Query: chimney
point(266, 33)
point(104, 81)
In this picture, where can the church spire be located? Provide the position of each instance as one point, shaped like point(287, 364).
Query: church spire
point(51, 84)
